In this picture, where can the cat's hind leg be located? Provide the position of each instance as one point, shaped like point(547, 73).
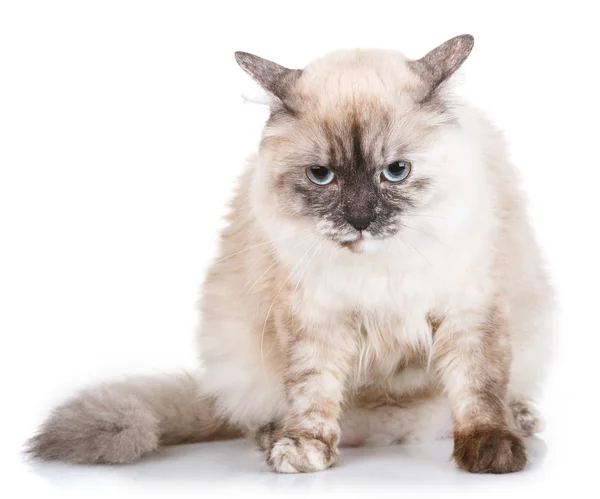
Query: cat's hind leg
point(425, 421)
point(525, 417)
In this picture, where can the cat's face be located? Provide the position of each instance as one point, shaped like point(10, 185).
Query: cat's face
point(355, 172)
point(350, 147)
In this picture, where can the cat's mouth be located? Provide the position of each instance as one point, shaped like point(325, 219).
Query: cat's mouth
point(362, 242)
point(355, 241)
point(353, 246)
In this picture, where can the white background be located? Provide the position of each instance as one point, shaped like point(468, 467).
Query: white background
point(122, 131)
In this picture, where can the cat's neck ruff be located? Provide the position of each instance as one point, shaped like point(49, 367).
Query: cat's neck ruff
point(431, 256)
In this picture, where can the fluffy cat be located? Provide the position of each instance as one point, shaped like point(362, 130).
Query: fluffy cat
point(377, 283)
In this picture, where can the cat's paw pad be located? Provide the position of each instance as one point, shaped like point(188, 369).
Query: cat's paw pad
point(290, 454)
point(489, 450)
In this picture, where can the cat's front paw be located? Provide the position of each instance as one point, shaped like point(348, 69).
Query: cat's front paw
point(301, 454)
point(489, 450)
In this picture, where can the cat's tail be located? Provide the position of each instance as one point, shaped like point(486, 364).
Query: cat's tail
point(122, 421)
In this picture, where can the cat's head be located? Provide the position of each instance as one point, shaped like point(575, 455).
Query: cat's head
point(352, 144)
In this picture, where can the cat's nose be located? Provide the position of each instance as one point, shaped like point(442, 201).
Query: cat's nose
point(360, 223)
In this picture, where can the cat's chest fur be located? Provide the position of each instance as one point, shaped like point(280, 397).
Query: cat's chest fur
point(381, 287)
point(390, 304)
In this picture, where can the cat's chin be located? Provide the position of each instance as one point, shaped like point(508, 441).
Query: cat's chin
point(364, 243)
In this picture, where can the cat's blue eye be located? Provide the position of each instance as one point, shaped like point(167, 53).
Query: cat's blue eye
point(396, 171)
point(320, 175)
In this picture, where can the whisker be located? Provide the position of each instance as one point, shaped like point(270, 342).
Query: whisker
point(261, 244)
point(423, 216)
point(275, 263)
point(300, 279)
point(329, 264)
point(262, 338)
point(416, 250)
point(429, 235)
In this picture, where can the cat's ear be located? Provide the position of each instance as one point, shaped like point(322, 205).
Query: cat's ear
point(439, 64)
point(274, 78)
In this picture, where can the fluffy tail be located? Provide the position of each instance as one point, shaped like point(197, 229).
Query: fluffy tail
point(123, 421)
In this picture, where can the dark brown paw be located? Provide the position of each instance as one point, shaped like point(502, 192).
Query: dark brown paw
point(489, 450)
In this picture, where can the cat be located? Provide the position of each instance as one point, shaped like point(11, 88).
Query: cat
point(377, 283)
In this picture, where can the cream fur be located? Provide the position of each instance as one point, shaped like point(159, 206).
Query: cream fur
point(302, 332)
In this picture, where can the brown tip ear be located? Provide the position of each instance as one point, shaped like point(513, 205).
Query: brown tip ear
point(439, 64)
point(274, 78)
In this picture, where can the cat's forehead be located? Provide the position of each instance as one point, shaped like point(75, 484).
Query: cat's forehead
point(357, 94)
point(357, 76)
point(351, 109)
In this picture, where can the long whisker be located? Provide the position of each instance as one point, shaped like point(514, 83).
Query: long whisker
point(261, 244)
point(329, 264)
point(416, 250)
point(307, 265)
point(427, 234)
point(413, 215)
point(275, 263)
point(317, 249)
point(262, 338)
